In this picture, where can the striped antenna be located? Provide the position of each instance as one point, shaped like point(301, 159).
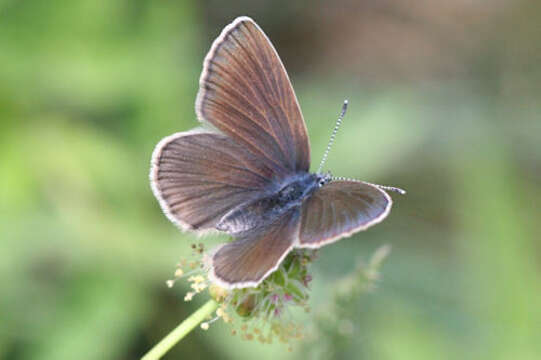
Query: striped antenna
point(382, 187)
point(391, 188)
point(333, 135)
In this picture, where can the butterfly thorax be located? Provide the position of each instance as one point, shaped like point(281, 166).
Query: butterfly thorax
point(277, 200)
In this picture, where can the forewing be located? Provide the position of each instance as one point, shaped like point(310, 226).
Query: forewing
point(245, 92)
point(340, 209)
point(255, 254)
point(198, 176)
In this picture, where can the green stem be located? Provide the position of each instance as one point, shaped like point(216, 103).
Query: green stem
point(180, 331)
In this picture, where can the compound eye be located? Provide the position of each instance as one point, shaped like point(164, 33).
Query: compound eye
point(321, 182)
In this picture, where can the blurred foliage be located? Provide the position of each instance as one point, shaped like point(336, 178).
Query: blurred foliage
point(444, 101)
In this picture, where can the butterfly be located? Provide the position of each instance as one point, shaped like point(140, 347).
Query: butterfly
point(247, 174)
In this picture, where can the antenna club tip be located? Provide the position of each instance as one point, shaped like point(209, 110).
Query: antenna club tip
point(346, 101)
point(398, 190)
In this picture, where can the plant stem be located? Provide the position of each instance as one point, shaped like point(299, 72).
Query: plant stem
point(180, 331)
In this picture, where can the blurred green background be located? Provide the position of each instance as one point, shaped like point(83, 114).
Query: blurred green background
point(444, 102)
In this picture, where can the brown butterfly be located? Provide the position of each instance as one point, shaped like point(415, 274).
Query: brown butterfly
point(249, 175)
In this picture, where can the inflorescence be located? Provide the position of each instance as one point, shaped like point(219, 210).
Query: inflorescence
point(267, 306)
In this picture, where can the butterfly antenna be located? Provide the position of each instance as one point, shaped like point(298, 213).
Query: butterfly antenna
point(382, 187)
point(392, 188)
point(333, 135)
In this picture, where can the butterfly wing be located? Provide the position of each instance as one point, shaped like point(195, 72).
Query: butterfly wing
point(340, 209)
point(245, 92)
point(198, 176)
point(255, 254)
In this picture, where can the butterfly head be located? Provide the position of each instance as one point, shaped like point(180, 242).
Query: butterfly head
point(323, 179)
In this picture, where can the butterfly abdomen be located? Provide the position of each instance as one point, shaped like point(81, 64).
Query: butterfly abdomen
point(264, 210)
